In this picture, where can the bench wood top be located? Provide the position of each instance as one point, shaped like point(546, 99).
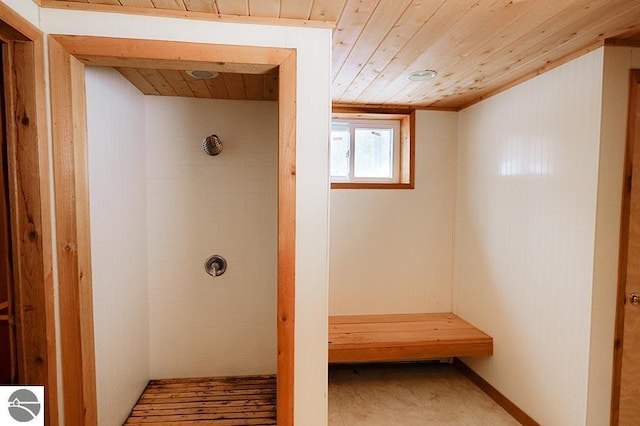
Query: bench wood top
point(402, 337)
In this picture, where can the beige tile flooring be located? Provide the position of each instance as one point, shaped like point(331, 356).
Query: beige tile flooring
point(409, 394)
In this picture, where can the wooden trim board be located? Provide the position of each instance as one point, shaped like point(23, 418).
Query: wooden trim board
point(287, 119)
point(403, 337)
point(28, 163)
point(68, 56)
point(627, 243)
point(495, 394)
point(73, 239)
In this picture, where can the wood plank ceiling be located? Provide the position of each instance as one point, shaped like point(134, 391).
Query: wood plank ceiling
point(478, 47)
point(256, 87)
point(305, 10)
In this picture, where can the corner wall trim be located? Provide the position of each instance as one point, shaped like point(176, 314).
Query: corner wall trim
point(495, 394)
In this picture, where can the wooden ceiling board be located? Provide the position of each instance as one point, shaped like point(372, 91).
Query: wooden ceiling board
point(461, 44)
point(197, 86)
point(449, 26)
point(138, 80)
point(269, 8)
point(295, 9)
point(235, 86)
point(176, 65)
point(253, 87)
point(201, 6)
point(393, 75)
point(233, 7)
point(478, 47)
point(168, 82)
point(482, 52)
point(326, 10)
point(169, 4)
point(415, 17)
point(527, 54)
point(217, 88)
point(137, 3)
point(270, 87)
point(321, 11)
point(348, 30)
point(158, 82)
point(110, 2)
point(379, 24)
point(177, 82)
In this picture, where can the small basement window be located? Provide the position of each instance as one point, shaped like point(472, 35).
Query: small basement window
point(371, 151)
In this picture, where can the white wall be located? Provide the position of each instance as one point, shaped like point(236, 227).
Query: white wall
point(392, 250)
point(525, 225)
point(199, 206)
point(117, 186)
point(312, 195)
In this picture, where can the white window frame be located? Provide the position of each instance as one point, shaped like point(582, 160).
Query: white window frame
point(353, 125)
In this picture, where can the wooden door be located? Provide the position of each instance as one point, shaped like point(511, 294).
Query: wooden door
point(8, 370)
point(626, 390)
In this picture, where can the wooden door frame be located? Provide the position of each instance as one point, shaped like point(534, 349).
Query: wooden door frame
point(68, 56)
point(632, 146)
point(28, 161)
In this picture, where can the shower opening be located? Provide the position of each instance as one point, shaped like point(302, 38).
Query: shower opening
point(196, 205)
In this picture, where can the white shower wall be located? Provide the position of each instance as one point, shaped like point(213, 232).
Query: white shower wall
point(199, 206)
point(117, 187)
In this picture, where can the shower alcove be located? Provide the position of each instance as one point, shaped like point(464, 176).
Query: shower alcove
point(156, 207)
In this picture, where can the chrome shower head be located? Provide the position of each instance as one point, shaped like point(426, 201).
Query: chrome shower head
point(212, 145)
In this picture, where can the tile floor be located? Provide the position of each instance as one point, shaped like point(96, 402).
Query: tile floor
point(410, 394)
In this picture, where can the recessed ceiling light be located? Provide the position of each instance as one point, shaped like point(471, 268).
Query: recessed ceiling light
point(422, 75)
point(203, 75)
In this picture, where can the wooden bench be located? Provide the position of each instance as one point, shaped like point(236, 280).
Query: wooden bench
point(403, 337)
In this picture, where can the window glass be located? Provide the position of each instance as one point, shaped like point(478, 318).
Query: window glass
point(373, 153)
point(340, 146)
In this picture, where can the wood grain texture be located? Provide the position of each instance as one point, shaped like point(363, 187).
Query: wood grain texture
point(246, 400)
point(171, 82)
point(233, 7)
point(270, 8)
point(169, 4)
point(8, 344)
point(38, 98)
point(26, 137)
point(626, 390)
point(398, 337)
point(157, 54)
point(633, 127)
point(21, 28)
point(287, 113)
point(202, 10)
point(201, 5)
point(478, 48)
point(73, 239)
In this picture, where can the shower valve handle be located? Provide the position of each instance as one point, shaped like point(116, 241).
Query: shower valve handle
point(215, 265)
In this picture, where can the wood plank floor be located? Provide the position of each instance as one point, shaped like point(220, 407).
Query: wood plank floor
point(369, 338)
point(245, 400)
